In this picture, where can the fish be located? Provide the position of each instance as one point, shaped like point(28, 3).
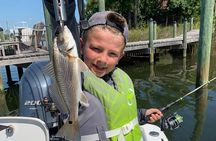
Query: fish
point(66, 42)
point(65, 69)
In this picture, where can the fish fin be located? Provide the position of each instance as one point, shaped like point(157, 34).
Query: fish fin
point(69, 131)
point(82, 66)
point(84, 100)
point(64, 77)
point(55, 94)
point(48, 69)
point(68, 76)
point(57, 98)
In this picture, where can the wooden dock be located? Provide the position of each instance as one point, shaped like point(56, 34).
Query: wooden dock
point(20, 55)
point(192, 36)
point(26, 55)
point(24, 58)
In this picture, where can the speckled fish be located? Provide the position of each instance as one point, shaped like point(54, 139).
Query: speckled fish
point(65, 70)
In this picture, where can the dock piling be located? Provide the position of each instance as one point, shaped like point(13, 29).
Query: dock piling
point(191, 23)
point(151, 47)
point(8, 72)
point(204, 49)
point(155, 30)
point(174, 29)
point(20, 71)
point(101, 4)
point(185, 38)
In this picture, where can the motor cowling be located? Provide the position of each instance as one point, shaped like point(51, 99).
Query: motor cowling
point(34, 96)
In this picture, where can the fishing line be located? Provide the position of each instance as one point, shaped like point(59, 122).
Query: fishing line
point(174, 120)
point(181, 98)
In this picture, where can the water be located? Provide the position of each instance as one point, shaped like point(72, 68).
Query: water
point(169, 79)
point(9, 101)
point(14, 75)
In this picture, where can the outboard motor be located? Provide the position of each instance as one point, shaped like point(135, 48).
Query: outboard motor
point(34, 97)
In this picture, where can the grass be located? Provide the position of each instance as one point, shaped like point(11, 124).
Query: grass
point(142, 33)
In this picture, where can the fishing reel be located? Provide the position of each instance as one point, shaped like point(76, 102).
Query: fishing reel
point(172, 122)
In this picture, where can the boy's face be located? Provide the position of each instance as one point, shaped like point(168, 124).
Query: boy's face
point(102, 51)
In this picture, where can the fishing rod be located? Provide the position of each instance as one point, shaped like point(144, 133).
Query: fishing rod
point(173, 121)
point(60, 11)
point(181, 98)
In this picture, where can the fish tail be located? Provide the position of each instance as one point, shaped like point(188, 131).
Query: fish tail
point(70, 131)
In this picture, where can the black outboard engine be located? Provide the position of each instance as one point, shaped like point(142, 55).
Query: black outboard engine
point(34, 97)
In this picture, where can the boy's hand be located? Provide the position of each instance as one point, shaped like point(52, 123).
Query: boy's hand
point(153, 115)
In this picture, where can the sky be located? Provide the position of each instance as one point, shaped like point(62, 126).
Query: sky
point(20, 13)
point(15, 13)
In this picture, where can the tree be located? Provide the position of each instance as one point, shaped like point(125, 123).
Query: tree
point(183, 8)
point(138, 12)
point(91, 7)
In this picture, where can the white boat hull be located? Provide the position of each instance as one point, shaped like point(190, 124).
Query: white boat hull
point(34, 129)
point(152, 132)
point(23, 129)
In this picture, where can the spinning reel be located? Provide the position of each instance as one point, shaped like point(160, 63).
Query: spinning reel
point(172, 122)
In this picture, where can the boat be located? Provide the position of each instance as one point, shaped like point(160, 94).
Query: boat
point(23, 129)
point(34, 129)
